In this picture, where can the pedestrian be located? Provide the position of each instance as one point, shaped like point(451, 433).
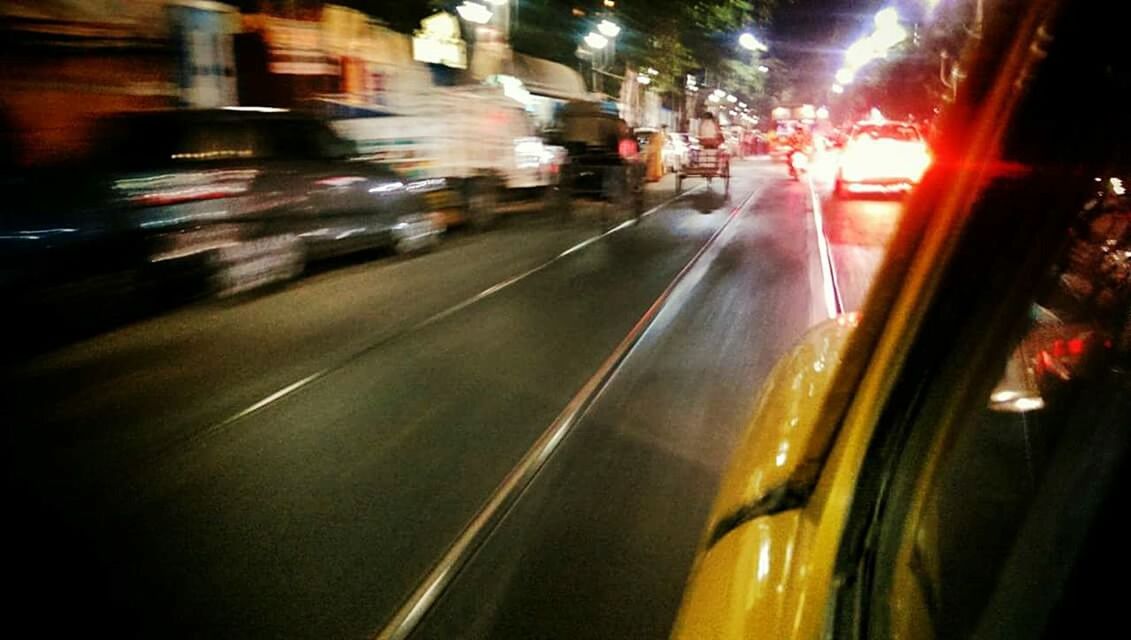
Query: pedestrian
point(710, 134)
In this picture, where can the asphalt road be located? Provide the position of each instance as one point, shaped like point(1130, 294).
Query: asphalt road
point(290, 464)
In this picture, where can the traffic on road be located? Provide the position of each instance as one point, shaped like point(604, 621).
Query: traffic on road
point(689, 320)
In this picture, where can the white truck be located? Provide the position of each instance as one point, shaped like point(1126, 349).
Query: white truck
point(477, 147)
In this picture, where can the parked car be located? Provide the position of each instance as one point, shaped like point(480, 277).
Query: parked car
point(676, 151)
point(198, 202)
point(953, 461)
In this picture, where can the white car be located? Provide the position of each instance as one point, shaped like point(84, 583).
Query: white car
point(882, 155)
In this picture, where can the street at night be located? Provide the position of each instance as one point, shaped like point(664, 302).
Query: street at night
point(549, 319)
point(201, 447)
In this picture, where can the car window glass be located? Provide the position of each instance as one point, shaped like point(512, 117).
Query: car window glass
point(981, 490)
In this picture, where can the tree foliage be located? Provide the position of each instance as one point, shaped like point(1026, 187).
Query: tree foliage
point(677, 37)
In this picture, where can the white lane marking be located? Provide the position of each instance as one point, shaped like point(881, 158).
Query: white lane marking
point(281, 393)
point(432, 319)
point(834, 305)
point(409, 615)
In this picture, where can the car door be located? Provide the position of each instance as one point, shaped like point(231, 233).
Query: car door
point(336, 206)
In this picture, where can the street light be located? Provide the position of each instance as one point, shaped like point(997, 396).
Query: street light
point(596, 41)
point(886, 19)
point(474, 12)
point(860, 53)
point(748, 41)
point(608, 28)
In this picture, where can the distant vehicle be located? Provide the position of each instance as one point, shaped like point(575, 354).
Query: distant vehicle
point(676, 148)
point(604, 159)
point(201, 202)
point(680, 154)
point(882, 155)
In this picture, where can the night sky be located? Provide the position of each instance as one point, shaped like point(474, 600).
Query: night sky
point(810, 37)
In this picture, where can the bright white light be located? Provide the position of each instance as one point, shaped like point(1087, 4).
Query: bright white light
point(845, 76)
point(596, 40)
point(731, 98)
point(713, 98)
point(644, 79)
point(608, 28)
point(652, 71)
point(718, 92)
point(888, 37)
point(837, 88)
point(256, 109)
point(886, 18)
point(387, 187)
point(1004, 396)
point(860, 53)
point(748, 41)
point(1021, 405)
point(474, 12)
point(823, 113)
point(690, 80)
point(1117, 186)
point(497, 3)
point(763, 68)
point(742, 104)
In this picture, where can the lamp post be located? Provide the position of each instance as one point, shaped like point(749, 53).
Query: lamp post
point(600, 47)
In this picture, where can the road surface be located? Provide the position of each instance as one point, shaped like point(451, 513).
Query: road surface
point(290, 464)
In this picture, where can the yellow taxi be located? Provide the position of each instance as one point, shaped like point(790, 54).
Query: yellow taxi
point(949, 464)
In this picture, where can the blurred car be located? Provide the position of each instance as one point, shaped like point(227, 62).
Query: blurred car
point(882, 155)
point(198, 202)
point(677, 152)
point(952, 461)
